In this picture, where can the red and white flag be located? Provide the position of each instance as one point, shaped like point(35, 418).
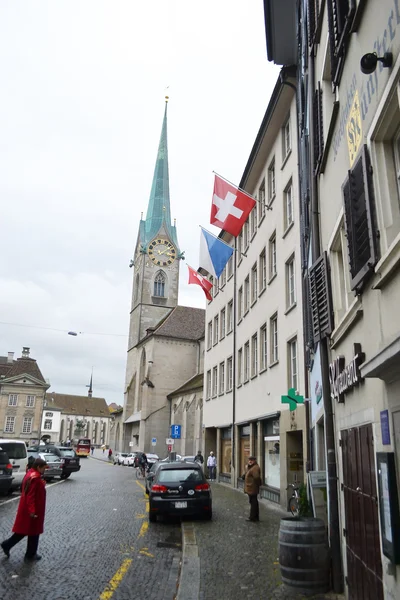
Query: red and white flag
point(230, 206)
point(195, 277)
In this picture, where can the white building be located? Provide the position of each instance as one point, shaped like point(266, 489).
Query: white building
point(51, 424)
point(254, 335)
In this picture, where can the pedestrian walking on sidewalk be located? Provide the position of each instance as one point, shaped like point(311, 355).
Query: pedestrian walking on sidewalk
point(110, 454)
point(30, 514)
point(211, 465)
point(199, 457)
point(92, 449)
point(252, 483)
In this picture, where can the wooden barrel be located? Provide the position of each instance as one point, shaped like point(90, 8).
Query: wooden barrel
point(304, 554)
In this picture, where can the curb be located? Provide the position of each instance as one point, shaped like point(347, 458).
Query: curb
point(189, 581)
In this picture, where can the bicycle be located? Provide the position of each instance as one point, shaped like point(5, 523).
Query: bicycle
point(140, 472)
point(294, 500)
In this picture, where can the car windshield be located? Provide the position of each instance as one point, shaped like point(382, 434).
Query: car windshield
point(179, 475)
point(123, 454)
point(67, 452)
point(152, 456)
point(14, 451)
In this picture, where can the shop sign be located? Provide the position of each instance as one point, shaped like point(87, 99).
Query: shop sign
point(344, 377)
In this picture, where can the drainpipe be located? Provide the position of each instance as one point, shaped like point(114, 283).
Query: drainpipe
point(333, 500)
point(233, 438)
point(285, 72)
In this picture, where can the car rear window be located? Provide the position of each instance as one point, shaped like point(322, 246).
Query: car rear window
point(51, 457)
point(67, 452)
point(3, 458)
point(180, 475)
point(14, 451)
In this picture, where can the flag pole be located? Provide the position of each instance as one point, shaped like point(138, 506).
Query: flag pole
point(267, 206)
point(233, 433)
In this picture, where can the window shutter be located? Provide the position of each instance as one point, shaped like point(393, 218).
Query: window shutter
point(359, 221)
point(318, 129)
point(311, 21)
point(321, 298)
point(340, 17)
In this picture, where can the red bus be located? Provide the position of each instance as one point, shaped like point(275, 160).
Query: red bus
point(83, 447)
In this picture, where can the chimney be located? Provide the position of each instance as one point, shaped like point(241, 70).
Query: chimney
point(10, 358)
point(25, 352)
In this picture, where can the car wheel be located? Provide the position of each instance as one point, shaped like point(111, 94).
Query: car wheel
point(65, 475)
point(152, 517)
point(146, 491)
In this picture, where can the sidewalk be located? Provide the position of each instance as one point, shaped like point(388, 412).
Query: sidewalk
point(230, 558)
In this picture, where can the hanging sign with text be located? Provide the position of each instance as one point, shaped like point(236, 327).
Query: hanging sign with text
point(344, 377)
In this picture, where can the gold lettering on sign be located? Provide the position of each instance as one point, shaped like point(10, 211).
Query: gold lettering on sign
point(354, 129)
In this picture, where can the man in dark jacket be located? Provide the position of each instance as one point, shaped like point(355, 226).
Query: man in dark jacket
point(199, 457)
point(252, 483)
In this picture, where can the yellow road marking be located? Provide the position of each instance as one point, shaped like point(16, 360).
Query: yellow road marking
point(146, 553)
point(140, 516)
point(147, 506)
point(116, 580)
point(140, 485)
point(143, 529)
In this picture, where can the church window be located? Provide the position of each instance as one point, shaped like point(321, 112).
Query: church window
point(159, 284)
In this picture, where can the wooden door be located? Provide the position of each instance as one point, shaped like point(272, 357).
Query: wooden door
point(363, 553)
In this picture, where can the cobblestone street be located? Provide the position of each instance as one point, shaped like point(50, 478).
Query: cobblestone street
point(96, 524)
point(98, 545)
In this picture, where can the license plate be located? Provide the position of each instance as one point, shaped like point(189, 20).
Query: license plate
point(72, 461)
point(180, 504)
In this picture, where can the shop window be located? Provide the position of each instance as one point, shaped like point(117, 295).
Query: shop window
point(272, 466)
point(226, 450)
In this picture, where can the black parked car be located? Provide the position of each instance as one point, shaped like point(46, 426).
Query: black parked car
point(6, 471)
point(179, 488)
point(70, 461)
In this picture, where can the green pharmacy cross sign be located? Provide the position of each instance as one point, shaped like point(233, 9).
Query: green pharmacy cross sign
point(292, 399)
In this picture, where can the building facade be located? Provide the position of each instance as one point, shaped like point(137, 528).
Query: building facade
point(22, 392)
point(254, 336)
point(81, 416)
point(349, 100)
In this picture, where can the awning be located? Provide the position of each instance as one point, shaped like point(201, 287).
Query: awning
point(133, 418)
point(385, 364)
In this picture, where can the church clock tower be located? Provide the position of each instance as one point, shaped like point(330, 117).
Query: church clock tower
point(157, 254)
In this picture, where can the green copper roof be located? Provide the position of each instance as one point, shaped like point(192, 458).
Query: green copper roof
point(158, 211)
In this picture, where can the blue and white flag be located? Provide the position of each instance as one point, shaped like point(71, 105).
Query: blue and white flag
point(214, 254)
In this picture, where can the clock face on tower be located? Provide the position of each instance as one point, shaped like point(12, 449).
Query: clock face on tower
point(161, 252)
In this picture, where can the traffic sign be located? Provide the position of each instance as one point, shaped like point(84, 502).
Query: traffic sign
point(153, 441)
point(169, 448)
point(176, 432)
point(169, 442)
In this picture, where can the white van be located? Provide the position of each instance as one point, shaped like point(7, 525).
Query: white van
point(16, 451)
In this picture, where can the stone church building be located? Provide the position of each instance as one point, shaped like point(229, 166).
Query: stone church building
point(166, 341)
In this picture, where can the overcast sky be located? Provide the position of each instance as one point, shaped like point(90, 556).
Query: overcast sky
point(81, 107)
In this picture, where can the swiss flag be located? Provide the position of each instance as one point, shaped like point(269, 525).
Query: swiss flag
point(195, 277)
point(230, 206)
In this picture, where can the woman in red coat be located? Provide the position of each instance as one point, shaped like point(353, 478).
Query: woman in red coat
point(30, 515)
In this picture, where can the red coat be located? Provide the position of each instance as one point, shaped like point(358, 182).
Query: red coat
point(32, 501)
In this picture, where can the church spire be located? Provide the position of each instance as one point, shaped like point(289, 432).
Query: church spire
point(159, 211)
